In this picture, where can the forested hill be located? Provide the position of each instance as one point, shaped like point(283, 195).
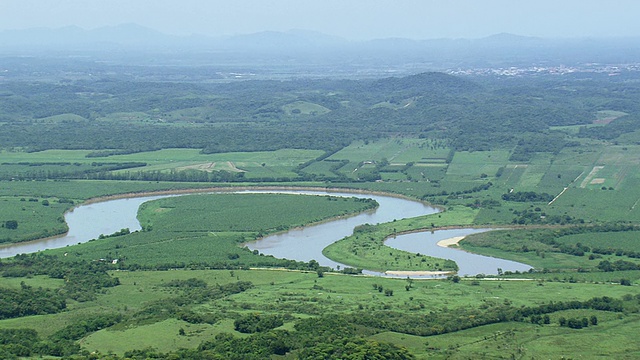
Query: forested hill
point(114, 112)
point(421, 84)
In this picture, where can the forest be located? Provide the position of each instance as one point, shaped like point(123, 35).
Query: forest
point(549, 163)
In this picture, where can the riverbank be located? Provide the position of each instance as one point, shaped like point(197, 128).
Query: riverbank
point(250, 188)
point(408, 273)
point(208, 189)
point(453, 241)
point(159, 193)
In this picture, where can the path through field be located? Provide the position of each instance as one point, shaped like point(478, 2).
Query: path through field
point(590, 176)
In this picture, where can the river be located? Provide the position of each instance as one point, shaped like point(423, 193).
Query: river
point(468, 263)
point(89, 221)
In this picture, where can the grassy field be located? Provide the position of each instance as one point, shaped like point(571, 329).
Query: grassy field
point(365, 248)
point(35, 218)
point(473, 164)
point(624, 240)
point(532, 247)
point(264, 213)
point(273, 164)
point(201, 232)
point(304, 108)
point(209, 229)
point(304, 294)
point(498, 341)
point(177, 158)
point(321, 168)
point(395, 150)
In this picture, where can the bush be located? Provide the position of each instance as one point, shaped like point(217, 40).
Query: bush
point(11, 224)
point(253, 323)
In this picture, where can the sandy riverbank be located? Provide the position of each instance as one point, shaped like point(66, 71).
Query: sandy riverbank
point(417, 273)
point(450, 241)
point(443, 243)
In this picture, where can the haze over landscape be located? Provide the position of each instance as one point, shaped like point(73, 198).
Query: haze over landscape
point(319, 179)
point(352, 20)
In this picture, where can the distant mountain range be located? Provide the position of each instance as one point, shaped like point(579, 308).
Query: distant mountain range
point(310, 45)
point(127, 35)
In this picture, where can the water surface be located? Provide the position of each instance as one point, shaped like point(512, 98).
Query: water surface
point(307, 243)
point(468, 263)
point(89, 221)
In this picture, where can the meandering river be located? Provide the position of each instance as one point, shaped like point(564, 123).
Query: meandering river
point(89, 221)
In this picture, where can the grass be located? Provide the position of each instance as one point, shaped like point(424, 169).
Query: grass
point(304, 108)
point(209, 229)
point(191, 230)
point(623, 240)
point(88, 189)
point(162, 335)
point(474, 164)
point(529, 341)
point(321, 168)
point(424, 172)
point(595, 205)
point(395, 150)
point(305, 294)
point(36, 218)
point(34, 281)
point(607, 114)
point(273, 164)
point(365, 249)
point(511, 244)
point(265, 213)
point(531, 178)
point(557, 177)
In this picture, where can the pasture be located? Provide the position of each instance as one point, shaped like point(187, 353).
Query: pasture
point(467, 165)
point(265, 164)
point(34, 218)
point(522, 339)
point(304, 108)
point(192, 233)
point(208, 229)
point(304, 295)
point(621, 240)
point(394, 150)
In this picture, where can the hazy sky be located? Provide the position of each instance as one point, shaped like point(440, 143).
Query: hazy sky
point(351, 19)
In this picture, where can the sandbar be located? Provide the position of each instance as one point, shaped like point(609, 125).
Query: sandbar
point(450, 241)
point(417, 273)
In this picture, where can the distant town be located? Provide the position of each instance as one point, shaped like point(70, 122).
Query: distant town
point(608, 69)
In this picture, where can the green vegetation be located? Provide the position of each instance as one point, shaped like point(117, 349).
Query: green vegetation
point(365, 248)
point(207, 231)
point(554, 163)
point(150, 308)
point(262, 213)
point(29, 218)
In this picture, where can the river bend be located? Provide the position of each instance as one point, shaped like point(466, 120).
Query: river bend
point(89, 221)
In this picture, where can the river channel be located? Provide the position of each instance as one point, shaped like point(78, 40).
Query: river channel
point(89, 221)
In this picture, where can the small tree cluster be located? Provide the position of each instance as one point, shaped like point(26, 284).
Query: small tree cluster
point(540, 319)
point(252, 323)
point(575, 323)
point(11, 224)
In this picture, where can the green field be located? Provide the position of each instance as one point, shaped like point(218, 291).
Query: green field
point(186, 236)
point(35, 218)
point(550, 159)
point(474, 164)
point(395, 150)
point(304, 108)
point(79, 163)
point(208, 230)
point(304, 295)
